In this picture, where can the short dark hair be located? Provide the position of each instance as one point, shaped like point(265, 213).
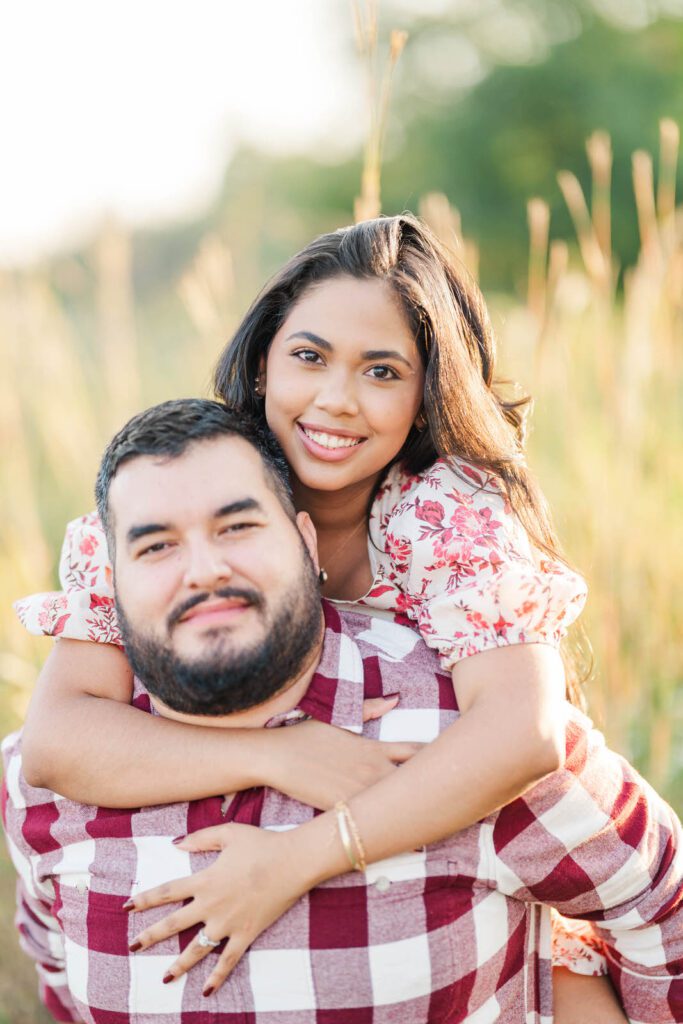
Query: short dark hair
point(170, 428)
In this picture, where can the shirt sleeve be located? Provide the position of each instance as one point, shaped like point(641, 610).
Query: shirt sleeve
point(84, 608)
point(466, 571)
point(40, 934)
point(595, 841)
point(41, 939)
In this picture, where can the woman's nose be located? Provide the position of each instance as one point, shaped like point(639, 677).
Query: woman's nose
point(337, 395)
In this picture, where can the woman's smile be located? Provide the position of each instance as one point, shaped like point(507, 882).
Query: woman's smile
point(327, 444)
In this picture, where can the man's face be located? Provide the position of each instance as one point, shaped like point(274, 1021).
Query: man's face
point(210, 574)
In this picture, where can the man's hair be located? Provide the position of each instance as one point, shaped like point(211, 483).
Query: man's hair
point(168, 429)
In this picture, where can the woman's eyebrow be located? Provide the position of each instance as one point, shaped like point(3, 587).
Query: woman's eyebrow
point(315, 338)
point(378, 353)
point(381, 353)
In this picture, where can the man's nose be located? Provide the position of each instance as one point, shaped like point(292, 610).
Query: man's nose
point(337, 395)
point(207, 566)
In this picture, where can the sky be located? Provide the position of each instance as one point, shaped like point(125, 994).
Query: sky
point(132, 107)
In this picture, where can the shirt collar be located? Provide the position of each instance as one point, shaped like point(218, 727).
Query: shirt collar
point(336, 691)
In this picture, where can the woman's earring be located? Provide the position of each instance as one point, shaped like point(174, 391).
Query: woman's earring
point(258, 387)
point(322, 577)
point(420, 421)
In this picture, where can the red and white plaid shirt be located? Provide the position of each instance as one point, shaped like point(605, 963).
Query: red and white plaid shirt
point(451, 933)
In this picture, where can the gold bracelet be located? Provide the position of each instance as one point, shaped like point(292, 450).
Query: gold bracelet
point(350, 837)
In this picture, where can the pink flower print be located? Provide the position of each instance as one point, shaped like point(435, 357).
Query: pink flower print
point(501, 626)
point(406, 602)
point(495, 561)
point(60, 624)
point(380, 589)
point(96, 601)
point(397, 547)
point(468, 471)
point(477, 524)
point(478, 620)
point(88, 545)
point(527, 608)
point(429, 511)
point(451, 548)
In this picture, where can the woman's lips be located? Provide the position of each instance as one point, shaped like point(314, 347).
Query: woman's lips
point(329, 446)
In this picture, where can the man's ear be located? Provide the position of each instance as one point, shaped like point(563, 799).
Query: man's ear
point(310, 537)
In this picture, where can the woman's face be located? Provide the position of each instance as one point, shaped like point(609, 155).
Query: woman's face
point(344, 382)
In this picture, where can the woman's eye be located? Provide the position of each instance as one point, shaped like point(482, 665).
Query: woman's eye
point(307, 355)
point(383, 373)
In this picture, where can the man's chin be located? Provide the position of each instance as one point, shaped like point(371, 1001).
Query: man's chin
point(201, 646)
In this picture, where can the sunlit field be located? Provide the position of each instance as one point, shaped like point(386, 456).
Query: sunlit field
point(599, 346)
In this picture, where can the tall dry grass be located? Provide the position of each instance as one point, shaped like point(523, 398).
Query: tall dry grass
point(598, 345)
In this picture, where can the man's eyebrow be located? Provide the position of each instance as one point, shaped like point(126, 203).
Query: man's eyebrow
point(243, 505)
point(378, 353)
point(136, 532)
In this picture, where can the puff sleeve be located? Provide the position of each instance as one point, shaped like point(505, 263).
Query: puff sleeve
point(84, 608)
point(461, 566)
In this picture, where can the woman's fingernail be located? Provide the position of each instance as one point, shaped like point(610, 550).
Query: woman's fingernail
point(168, 978)
point(178, 839)
point(391, 696)
point(135, 947)
point(208, 990)
point(128, 905)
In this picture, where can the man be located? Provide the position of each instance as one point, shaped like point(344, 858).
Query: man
point(217, 597)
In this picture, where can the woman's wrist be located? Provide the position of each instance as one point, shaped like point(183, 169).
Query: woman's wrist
point(315, 851)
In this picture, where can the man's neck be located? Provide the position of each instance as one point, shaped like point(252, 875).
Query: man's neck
point(286, 699)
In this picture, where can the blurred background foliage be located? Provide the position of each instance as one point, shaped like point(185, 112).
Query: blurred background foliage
point(491, 100)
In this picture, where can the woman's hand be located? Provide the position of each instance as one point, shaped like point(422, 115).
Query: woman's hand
point(319, 764)
point(257, 876)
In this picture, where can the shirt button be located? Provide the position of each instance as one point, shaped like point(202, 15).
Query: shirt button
point(382, 884)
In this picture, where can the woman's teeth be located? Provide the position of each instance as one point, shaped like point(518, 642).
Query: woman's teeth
point(331, 440)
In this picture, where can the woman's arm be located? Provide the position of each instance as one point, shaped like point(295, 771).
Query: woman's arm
point(582, 999)
point(512, 698)
point(84, 740)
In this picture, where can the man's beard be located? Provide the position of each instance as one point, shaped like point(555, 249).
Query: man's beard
point(223, 681)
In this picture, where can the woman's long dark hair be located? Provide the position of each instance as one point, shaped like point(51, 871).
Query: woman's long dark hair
point(467, 416)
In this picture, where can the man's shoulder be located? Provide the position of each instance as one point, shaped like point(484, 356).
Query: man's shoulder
point(390, 636)
point(366, 622)
point(368, 656)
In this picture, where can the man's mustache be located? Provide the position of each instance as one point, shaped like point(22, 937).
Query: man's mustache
point(250, 597)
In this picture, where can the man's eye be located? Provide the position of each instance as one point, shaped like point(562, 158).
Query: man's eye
point(383, 373)
point(307, 355)
point(153, 549)
point(236, 527)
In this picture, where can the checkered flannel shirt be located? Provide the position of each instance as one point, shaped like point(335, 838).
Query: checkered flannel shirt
point(453, 932)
